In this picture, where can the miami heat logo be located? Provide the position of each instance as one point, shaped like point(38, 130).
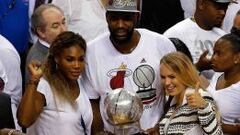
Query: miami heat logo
point(118, 75)
point(143, 77)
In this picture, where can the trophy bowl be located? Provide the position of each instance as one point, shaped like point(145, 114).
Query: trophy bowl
point(123, 107)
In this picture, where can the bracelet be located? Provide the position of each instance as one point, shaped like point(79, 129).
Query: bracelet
point(34, 81)
point(12, 131)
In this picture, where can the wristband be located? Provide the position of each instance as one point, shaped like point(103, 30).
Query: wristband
point(12, 131)
point(34, 81)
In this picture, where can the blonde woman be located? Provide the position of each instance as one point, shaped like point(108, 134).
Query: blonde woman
point(191, 110)
point(54, 102)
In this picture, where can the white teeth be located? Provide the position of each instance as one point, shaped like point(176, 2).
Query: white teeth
point(170, 88)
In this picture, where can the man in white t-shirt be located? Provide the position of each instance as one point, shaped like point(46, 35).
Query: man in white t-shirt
point(125, 58)
point(201, 31)
point(189, 7)
point(11, 62)
point(6, 114)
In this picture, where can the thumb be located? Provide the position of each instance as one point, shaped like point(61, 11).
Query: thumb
point(205, 53)
point(197, 87)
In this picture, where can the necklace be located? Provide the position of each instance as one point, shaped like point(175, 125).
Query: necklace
point(133, 48)
point(193, 19)
point(10, 7)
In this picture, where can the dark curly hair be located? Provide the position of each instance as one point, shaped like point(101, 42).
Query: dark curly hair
point(52, 74)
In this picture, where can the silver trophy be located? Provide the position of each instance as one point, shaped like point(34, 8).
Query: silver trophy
point(124, 110)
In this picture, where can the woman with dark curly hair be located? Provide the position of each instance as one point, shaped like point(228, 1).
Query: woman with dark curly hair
point(54, 102)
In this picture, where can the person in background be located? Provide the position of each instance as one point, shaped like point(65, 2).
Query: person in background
point(48, 21)
point(33, 5)
point(11, 62)
point(12, 11)
point(225, 85)
point(86, 17)
point(115, 60)
point(201, 31)
point(54, 102)
point(236, 24)
point(192, 110)
point(189, 7)
point(7, 125)
point(14, 26)
point(6, 114)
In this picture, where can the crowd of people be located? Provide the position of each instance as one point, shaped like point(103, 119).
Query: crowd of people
point(185, 71)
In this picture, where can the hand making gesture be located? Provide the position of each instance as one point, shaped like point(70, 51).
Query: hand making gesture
point(195, 99)
point(35, 70)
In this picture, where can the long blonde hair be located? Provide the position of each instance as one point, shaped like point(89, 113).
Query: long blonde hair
point(183, 67)
point(52, 74)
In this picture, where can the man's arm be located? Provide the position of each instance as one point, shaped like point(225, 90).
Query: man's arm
point(97, 125)
point(231, 129)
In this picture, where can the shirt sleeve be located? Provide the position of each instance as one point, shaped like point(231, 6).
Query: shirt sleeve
point(208, 117)
point(45, 89)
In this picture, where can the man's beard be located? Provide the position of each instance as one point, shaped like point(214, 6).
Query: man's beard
point(115, 38)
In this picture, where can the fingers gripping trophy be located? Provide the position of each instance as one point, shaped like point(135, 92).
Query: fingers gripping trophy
point(124, 110)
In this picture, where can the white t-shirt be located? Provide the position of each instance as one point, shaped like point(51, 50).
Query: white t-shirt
point(3, 74)
point(229, 17)
point(196, 39)
point(189, 8)
point(138, 71)
point(11, 61)
point(86, 17)
point(59, 118)
point(227, 100)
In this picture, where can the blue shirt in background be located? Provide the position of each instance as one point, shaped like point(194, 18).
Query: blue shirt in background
point(14, 22)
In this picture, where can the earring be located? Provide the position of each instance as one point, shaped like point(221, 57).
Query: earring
point(56, 66)
point(235, 62)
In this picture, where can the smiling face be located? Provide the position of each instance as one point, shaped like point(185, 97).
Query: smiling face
point(170, 82)
point(71, 62)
